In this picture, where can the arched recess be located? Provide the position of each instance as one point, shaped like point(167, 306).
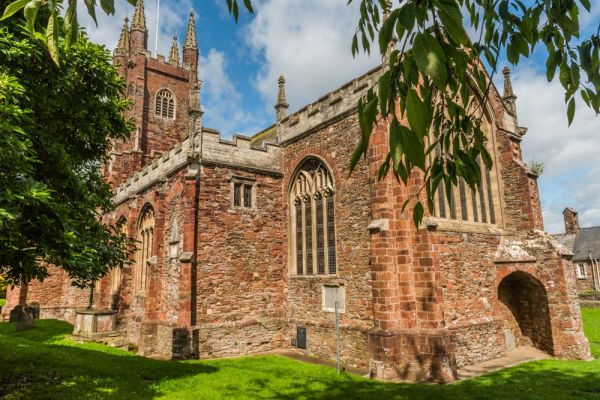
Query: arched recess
point(527, 300)
point(312, 219)
point(145, 246)
point(115, 274)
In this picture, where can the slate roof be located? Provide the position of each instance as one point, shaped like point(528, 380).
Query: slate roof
point(581, 245)
point(587, 240)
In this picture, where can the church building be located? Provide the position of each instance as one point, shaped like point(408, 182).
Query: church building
point(247, 245)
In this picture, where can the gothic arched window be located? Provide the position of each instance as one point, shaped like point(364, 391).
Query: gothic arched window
point(165, 104)
point(115, 274)
point(482, 205)
point(145, 243)
point(312, 220)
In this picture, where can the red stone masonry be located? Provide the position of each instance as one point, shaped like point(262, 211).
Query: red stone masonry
point(419, 302)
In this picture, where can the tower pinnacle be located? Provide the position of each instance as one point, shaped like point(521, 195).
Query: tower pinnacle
point(508, 96)
point(139, 19)
point(174, 53)
point(190, 36)
point(281, 106)
point(123, 45)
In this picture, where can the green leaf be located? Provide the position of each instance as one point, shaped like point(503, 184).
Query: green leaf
point(235, 11)
point(416, 113)
point(407, 17)
point(71, 25)
point(385, 33)
point(571, 110)
point(396, 150)
point(13, 8)
point(430, 59)
point(52, 37)
point(413, 147)
point(382, 91)
point(451, 17)
point(248, 5)
point(30, 11)
point(366, 118)
point(91, 8)
point(551, 64)
point(108, 6)
point(586, 4)
point(418, 212)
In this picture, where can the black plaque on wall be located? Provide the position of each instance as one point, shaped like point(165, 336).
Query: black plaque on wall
point(301, 337)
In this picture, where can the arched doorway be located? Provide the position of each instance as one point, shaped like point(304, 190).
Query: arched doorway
point(526, 299)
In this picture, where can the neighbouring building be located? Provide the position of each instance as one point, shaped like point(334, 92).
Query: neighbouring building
point(246, 245)
point(585, 245)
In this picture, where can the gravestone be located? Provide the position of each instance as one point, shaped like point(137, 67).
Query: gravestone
point(24, 316)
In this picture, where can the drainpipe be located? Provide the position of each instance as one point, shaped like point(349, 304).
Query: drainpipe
point(594, 271)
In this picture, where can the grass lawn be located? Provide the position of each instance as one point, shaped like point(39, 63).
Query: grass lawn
point(44, 364)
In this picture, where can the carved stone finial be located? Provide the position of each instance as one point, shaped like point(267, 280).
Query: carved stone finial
point(190, 36)
point(139, 19)
point(281, 106)
point(174, 53)
point(123, 45)
point(508, 90)
point(509, 97)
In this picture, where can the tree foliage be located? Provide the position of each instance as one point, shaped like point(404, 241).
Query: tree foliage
point(434, 92)
point(436, 78)
point(56, 126)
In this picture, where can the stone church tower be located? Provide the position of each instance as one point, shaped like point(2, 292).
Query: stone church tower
point(246, 245)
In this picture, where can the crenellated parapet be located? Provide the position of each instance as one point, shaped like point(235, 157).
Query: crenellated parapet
point(335, 104)
point(209, 148)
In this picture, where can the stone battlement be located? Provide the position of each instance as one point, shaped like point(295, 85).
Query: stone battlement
point(211, 149)
point(329, 106)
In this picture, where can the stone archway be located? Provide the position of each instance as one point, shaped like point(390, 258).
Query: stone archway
point(527, 300)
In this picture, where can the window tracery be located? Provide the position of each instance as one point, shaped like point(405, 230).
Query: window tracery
point(312, 217)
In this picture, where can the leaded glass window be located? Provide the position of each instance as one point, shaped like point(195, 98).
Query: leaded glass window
point(312, 220)
point(165, 104)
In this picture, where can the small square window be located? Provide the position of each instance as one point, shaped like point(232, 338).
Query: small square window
point(331, 295)
point(237, 194)
point(580, 271)
point(247, 195)
point(243, 194)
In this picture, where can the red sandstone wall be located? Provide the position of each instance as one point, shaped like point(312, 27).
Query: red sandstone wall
point(470, 293)
point(241, 279)
point(334, 144)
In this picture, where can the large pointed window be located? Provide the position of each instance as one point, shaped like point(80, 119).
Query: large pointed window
point(481, 205)
point(145, 247)
point(115, 274)
point(312, 220)
point(165, 104)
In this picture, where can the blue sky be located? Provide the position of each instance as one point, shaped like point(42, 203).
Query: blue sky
point(308, 41)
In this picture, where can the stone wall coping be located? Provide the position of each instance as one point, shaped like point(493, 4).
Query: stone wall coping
point(442, 224)
point(329, 106)
point(237, 153)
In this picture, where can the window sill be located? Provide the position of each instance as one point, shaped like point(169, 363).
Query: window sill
point(582, 278)
point(314, 276)
point(332, 310)
point(244, 210)
point(450, 225)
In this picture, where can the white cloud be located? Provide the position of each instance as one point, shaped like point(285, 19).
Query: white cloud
point(221, 101)
point(173, 19)
point(570, 154)
point(309, 42)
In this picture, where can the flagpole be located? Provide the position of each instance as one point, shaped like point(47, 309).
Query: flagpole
point(156, 38)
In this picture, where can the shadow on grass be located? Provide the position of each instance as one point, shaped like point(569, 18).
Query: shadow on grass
point(553, 379)
point(41, 364)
